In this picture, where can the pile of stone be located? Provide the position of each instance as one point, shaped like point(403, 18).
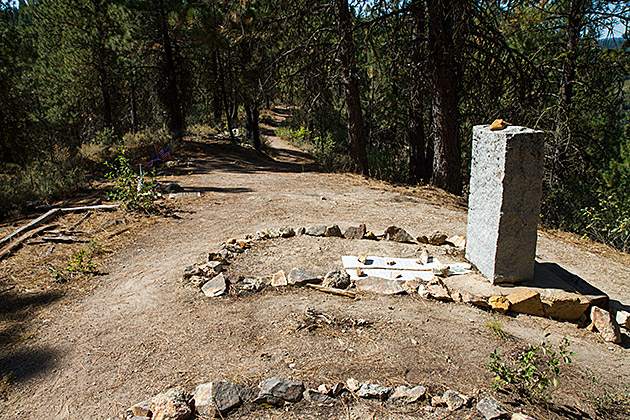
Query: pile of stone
point(220, 398)
point(213, 281)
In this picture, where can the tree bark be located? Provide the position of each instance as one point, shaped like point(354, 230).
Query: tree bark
point(446, 172)
point(251, 122)
point(356, 137)
point(172, 97)
point(419, 166)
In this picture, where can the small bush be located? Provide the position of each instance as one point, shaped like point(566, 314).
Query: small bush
point(135, 191)
point(534, 369)
point(496, 326)
point(80, 263)
point(203, 131)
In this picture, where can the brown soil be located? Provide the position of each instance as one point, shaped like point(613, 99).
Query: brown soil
point(94, 346)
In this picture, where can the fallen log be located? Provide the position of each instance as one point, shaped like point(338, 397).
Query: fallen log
point(51, 214)
point(332, 290)
point(18, 242)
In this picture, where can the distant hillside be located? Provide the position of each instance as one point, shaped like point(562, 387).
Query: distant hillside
point(611, 43)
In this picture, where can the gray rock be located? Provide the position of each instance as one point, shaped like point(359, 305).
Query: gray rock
point(379, 285)
point(355, 232)
point(408, 395)
point(299, 276)
point(337, 278)
point(394, 233)
point(215, 287)
point(316, 231)
point(211, 268)
point(490, 409)
point(606, 325)
point(333, 231)
point(454, 400)
point(437, 238)
point(172, 187)
point(504, 202)
point(217, 396)
point(171, 405)
point(318, 398)
point(277, 390)
point(374, 391)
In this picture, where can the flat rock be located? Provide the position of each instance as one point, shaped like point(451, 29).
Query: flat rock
point(215, 287)
point(318, 398)
point(374, 391)
point(354, 232)
point(606, 325)
point(500, 304)
point(279, 279)
point(333, 232)
point(437, 238)
point(568, 308)
point(438, 290)
point(316, 231)
point(526, 301)
point(490, 409)
point(396, 234)
point(217, 396)
point(379, 285)
point(441, 270)
point(299, 276)
point(171, 405)
point(474, 300)
point(337, 278)
point(277, 390)
point(408, 395)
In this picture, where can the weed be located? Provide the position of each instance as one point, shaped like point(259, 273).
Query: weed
point(80, 263)
point(136, 192)
point(496, 326)
point(534, 369)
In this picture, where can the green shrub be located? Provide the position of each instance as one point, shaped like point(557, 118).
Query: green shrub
point(534, 369)
point(134, 191)
point(80, 263)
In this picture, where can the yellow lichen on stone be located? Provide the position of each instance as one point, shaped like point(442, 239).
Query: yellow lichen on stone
point(499, 124)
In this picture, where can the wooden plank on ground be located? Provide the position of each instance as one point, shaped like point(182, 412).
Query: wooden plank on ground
point(102, 207)
point(332, 290)
point(18, 242)
point(51, 214)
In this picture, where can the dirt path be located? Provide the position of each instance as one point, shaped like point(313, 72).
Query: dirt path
point(141, 330)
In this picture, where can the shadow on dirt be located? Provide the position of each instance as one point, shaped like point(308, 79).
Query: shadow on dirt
point(553, 276)
point(22, 365)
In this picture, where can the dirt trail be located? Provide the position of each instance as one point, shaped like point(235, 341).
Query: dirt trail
point(141, 330)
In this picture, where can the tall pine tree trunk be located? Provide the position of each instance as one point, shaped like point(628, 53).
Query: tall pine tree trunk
point(252, 114)
point(356, 137)
point(419, 165)
point(446, 172)
point(172, 95)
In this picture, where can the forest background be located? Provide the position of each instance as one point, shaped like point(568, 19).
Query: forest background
point(389, 89)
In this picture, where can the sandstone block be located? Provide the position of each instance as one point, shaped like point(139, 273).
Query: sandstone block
point(526, 302)
point(606, 325)
point(566, 308)
point(500, 304)
point(279, 279)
